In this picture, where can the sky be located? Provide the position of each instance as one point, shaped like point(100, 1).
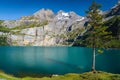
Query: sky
point(14, 9)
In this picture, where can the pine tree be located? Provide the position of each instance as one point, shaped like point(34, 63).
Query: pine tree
point(97, 36)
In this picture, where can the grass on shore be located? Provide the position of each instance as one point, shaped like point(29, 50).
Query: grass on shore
point(71, 76)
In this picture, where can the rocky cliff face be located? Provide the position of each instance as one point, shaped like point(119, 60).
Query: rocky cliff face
point(115, 10)
point(43, 28)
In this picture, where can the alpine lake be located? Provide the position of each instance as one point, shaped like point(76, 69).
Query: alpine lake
point(56, 60)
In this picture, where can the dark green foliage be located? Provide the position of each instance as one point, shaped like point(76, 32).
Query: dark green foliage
point(97, 35)
point(114, 26)
point(3, 40)
point(114, 43)
point(31, 25)
point(1, 21)
point(94, 7)
point(4, 29)
point(71, 35)
point(98, 38)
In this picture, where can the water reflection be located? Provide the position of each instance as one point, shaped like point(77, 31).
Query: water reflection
point(56, 60)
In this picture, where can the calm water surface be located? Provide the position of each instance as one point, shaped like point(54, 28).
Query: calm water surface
point(56, 60)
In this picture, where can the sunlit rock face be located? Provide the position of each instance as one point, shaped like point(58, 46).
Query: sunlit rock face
point(44, 14)
point(32, 32)
point(11, 23)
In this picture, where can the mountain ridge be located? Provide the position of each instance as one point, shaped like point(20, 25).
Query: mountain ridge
point(45, 28)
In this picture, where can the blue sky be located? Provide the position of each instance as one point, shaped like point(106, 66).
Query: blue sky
point(14, 9)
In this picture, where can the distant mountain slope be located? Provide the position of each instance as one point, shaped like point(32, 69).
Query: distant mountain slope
point(115, 10)
point(43, 28)
point(112, 20)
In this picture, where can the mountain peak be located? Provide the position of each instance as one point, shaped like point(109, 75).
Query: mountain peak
point(118, 1)
point(115, 10)
point(44, 14)
point(43, 10)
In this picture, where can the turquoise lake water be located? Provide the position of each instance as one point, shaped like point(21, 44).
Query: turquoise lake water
point(56, 60)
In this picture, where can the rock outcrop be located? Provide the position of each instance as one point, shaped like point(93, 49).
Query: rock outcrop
point(43, 28)
point(115, 10)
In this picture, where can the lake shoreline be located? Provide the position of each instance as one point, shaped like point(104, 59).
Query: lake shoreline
point(70, 76)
